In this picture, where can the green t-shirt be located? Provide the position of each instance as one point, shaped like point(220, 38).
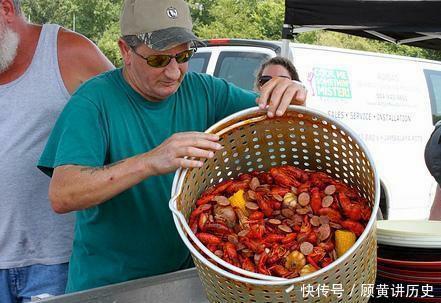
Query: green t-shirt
point(132, 235)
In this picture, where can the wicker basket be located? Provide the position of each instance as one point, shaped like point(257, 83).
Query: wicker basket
point(309, 140)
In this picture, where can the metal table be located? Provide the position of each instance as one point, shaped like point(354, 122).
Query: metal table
point(179, 287)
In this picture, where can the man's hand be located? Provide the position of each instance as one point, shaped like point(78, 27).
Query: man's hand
point(279, 93)
point(178, 151)
point(75, 187)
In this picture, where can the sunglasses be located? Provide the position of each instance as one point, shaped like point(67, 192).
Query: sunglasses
point(164, 60)
point(264, 79)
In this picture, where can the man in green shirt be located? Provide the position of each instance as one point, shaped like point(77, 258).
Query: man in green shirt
point(117, 143)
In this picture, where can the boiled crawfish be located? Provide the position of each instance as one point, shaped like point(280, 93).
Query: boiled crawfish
point(287, 216)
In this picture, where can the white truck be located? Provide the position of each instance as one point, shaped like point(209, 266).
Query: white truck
point(391, 102)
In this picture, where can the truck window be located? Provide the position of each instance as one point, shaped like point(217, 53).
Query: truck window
point(433, 79)
point(198, 63)
point(239, 68)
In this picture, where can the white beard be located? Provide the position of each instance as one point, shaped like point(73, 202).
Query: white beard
point(8, 46)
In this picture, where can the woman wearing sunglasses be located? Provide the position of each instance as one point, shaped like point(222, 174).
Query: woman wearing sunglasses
point(123, 134)
point(275, 67)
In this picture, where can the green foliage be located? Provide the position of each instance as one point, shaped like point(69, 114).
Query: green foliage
point(252, 19)
point(89, 17)
point(94, 17)
point(50, 11)
point(200, 11)
point(249, 19)
point(269, 17)
point(328, 38)
point(263, 19)
point(108, 44)
point(227, 23)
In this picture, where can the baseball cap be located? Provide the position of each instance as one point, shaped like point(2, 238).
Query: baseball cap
point(161, 24)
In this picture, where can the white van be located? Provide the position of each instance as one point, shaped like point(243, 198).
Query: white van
point(392, 102)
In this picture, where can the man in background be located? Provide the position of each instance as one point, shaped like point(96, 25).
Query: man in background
point(40, 67)
point(432, 156)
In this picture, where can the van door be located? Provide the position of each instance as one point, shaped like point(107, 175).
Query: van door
point(385, 100)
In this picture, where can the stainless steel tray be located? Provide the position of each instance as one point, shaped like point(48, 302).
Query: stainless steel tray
point(179, 287)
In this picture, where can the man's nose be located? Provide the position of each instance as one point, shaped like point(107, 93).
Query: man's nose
point(172, 70)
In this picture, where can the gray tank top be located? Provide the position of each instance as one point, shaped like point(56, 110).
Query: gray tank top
point(30, 232)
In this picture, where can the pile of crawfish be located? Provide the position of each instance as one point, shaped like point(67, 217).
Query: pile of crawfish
point(286, 223)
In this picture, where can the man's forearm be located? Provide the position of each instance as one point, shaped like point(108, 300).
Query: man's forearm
point(78, 187)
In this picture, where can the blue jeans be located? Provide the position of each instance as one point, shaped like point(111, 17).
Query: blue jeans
point(20, 284)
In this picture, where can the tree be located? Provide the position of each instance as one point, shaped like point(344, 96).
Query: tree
point(200, 11)
point(260, 19)
point(96, 19)
point(329, 38)
point(108, 44)
point(89, 17)
point(50, 11)
point(252, 19)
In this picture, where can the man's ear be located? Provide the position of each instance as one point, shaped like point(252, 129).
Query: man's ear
point(7, 10)
point(125, 51)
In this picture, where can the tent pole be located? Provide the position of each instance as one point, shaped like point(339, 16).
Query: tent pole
point(286, 36)
point(285, 48)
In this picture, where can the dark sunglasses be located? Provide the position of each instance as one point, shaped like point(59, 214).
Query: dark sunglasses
point(164, 60)
point(264, 79)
